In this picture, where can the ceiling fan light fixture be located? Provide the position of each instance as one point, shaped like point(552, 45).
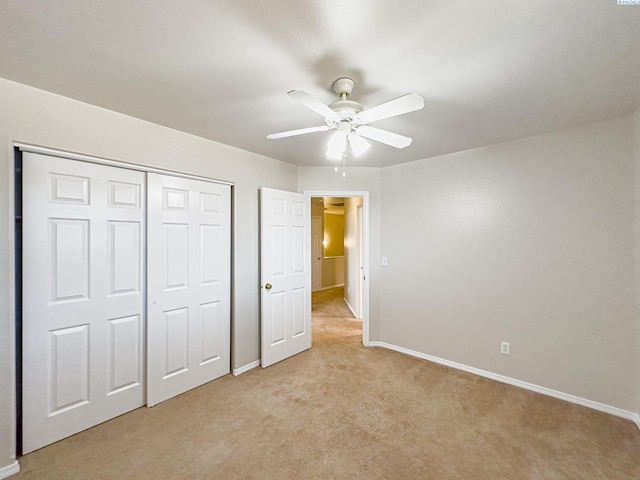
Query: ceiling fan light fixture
point(358, 144)
point(337, 145)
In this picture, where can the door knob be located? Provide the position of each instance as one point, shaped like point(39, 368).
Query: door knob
point(268, 286)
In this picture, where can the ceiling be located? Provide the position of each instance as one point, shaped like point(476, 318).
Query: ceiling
point(489, 71)
point(333, 205)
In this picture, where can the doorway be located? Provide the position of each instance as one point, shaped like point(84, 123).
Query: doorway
point(356, 247)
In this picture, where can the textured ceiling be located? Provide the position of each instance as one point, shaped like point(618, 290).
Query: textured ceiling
point(489, 71)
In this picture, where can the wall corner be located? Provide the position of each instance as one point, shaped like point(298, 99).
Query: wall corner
point(636, 242)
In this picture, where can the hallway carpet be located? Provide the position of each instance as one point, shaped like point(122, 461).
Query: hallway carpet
point(343, 411)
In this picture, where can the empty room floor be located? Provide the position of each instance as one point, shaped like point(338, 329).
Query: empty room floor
point(343, 411)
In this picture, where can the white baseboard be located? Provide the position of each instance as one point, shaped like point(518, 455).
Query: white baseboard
point(634, 417)
point(246, 368)
point(10, 470)
point(353, 312)
point(330, 287)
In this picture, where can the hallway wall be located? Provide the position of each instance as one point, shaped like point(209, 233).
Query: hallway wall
point(351, 251)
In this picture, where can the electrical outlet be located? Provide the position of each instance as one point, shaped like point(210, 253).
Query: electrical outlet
point(505, 348)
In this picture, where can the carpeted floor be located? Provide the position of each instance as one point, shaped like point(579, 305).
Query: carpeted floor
point(342, 411)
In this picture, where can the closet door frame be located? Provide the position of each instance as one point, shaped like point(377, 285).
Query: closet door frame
point(25, 147)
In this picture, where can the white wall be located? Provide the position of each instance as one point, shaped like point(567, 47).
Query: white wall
point(33, 116)
point(351, 251)
point(357, 179)
point(529, 242)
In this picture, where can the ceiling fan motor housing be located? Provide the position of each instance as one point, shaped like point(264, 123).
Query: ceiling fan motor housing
point(345, 109)
point(343, 86)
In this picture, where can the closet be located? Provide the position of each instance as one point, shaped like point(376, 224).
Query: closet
point(125, 291)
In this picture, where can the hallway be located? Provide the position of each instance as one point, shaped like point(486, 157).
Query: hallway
point(332, 321)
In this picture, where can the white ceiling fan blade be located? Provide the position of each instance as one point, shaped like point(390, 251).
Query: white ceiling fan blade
point(313, 103)
point(405, 104)
point(301, 131)
point(384, 136)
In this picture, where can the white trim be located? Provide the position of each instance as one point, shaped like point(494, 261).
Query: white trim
point(353, 312)
point(246, 368)
point(636, 418)
point(618, 412)
point(338, 285)
point(10, 470)
point(365, 248)
point(24, 147)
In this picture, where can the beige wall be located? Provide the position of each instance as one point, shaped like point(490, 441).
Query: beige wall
point(334, 235)
point(636, 150)
point(332, 272)
point(529, 242)
point(33, 116)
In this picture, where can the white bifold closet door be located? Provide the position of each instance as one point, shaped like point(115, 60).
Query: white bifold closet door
point(120, 268)
point(188, 285)
point(83, 296)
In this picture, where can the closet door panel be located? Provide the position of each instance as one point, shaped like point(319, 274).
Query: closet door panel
point(83, 296)
point(189, 231)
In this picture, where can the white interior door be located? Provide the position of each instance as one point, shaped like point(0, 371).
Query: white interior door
point(188, 284)
point(285, 274)
point(83, 296)
point(317, 247)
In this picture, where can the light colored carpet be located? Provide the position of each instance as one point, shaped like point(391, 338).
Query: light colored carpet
point(342, 411)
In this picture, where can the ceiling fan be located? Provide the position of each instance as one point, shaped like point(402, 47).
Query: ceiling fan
point(351, 121)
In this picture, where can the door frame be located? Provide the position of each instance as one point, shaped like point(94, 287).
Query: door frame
point(314, 259)
point(365, 248)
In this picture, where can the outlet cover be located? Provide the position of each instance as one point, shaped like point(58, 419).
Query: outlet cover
point(505, 348)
